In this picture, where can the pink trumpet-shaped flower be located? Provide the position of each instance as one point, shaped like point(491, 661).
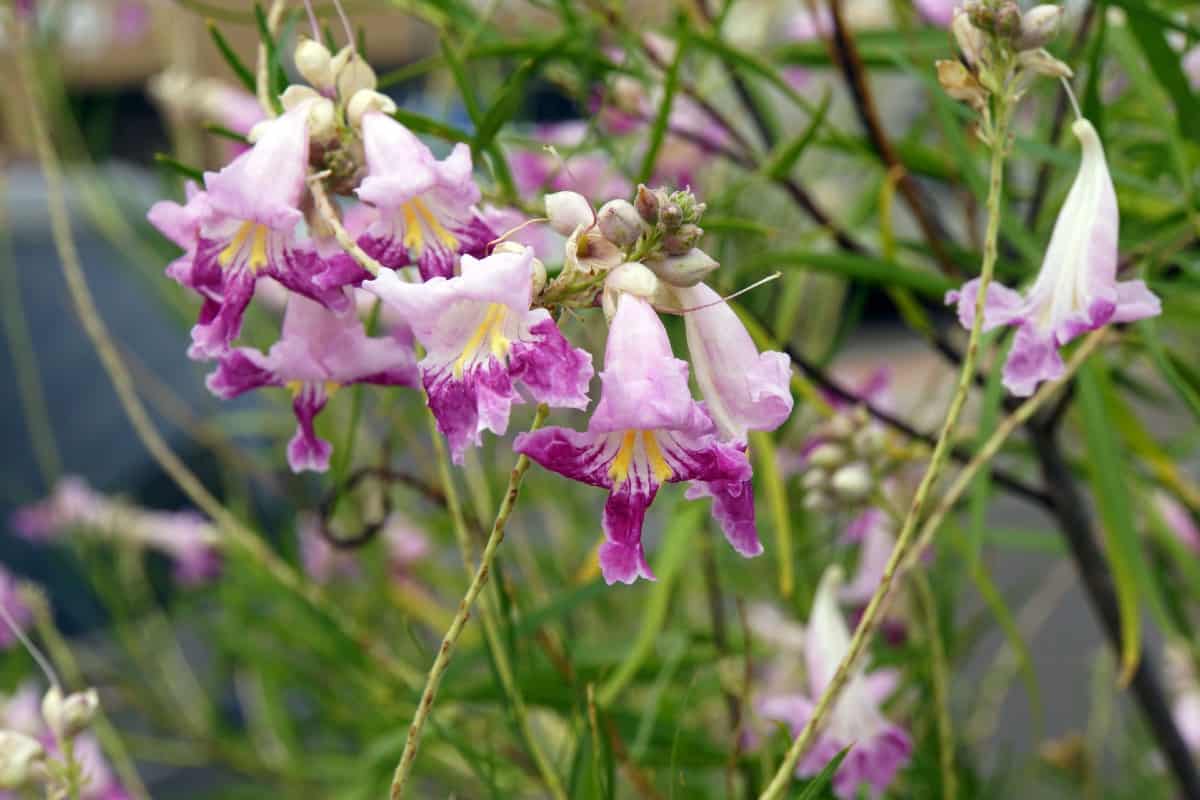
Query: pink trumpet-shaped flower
point(878, 747)
point(483, 340)
point(1077, 289)
point(646, 430)
point(319, 351)
point(743, 389)
point(426, 208)
point(244, 228)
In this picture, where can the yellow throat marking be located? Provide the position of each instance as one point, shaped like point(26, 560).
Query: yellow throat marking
point(490, 334)
point(619, 469)
point(418, 217)
point(256, 234)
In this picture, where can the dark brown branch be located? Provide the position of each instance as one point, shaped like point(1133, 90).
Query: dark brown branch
point(370, 529)
point(1069, 509)
point(845, 53)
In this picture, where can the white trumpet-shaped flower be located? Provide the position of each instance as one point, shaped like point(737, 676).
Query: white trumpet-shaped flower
point(1077, 289)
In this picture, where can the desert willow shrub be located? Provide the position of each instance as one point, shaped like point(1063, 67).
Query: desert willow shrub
point(474, 356)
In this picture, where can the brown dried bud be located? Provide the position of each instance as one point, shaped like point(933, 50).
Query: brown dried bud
point(646, 203)
point(1008, 20)
point(960, 84)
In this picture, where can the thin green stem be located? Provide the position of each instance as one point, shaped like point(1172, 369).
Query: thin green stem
point(85, 308)
point(941, 686)
point(998, 140)
point(438, 670)
point(490, 604)
point(994, 442)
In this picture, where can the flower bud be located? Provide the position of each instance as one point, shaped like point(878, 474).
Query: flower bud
point(827, 455)
point(1043, 63)
point(852, 482)
point(1008, 20)
point(678, 242)
point(314, 62)
point(568, 211)
point(841, 426)
point(970, 39)
point(960, 84)
point(646, 204)
point(870, 440)
point(69, 715)
point(19, 756)
point(814, 479)
point(980, 14)
point(365, 100)
point(322, 120)
point(670, 216)
point(628, 278)
point(683, 270)
point(1039, 26)
point(817, 501)
point(296, 94)
point(619, 222)
point(352, 72)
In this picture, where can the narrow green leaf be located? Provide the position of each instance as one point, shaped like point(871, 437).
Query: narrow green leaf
point(672, 554)
point(243, 73)
point(1162, 360)
point(178, 167)
point(658, 132)
point(277, 81)
point(1147, 29)
point(466, 88)
point(855, 267)
point(428, 125)
point(781, 161)
point(735, 58)
point(225, 133)
point(816, 787)
point(769, 477)
point(1107, 474)
point(510, 97)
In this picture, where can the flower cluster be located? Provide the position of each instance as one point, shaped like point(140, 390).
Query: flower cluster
point(185, 537)
point(483, 310)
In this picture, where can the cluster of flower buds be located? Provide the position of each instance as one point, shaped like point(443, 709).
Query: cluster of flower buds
point(844, 470)
point(34, 752)
point(632, 247)
point(993, 36)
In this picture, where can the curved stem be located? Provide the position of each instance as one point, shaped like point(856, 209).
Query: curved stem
point(941, 453)
point(488, 618)
point(438, 670)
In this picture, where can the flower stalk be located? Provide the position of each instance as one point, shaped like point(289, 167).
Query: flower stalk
point(996, 125)
point(446, 651)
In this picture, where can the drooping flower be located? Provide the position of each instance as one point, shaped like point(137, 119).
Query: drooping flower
point(249, 231)
point(878, 747)
point(318, 352)
point(426, 208)
point(646, 431)
point(1077, 289)
point(185, 537)
point(744, 389)
point(483, 341)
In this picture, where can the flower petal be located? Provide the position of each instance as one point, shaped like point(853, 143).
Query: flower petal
point(744, 389)
point(305, 451)
point(1033, 358)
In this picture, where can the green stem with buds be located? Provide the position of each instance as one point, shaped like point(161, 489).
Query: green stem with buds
point(998, 140)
